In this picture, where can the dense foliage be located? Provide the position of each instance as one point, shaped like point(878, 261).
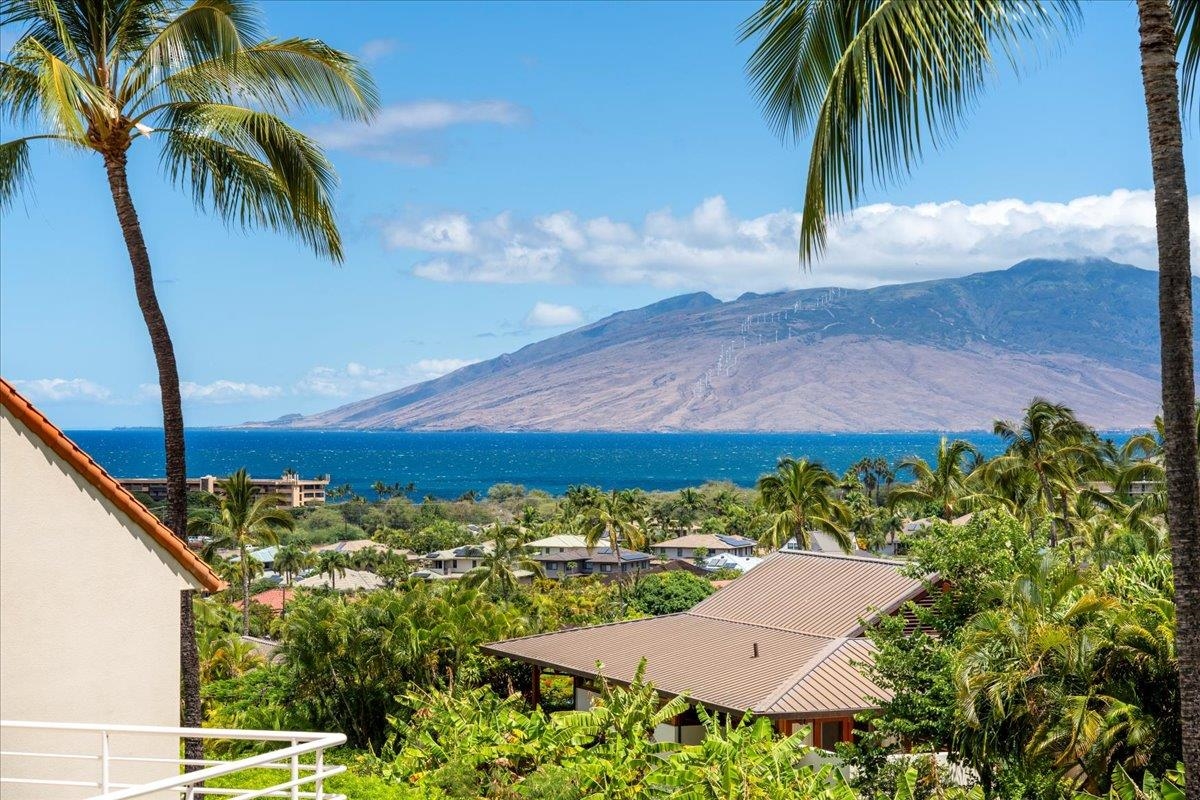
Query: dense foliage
point(1042, 665)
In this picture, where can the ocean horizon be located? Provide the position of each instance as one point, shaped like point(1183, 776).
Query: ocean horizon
point(450, 463)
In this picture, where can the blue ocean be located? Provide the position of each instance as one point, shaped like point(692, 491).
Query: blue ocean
point(449, 464)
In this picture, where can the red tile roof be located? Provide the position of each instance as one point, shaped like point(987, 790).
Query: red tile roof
point(93, 473)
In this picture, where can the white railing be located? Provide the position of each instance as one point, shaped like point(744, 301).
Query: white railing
point(301, 756)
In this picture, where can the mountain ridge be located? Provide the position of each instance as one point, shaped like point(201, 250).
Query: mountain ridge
point(943, 354)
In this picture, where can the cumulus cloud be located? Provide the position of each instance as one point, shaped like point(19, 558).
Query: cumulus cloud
point(56, 389)
point(430, 368)
point(712, 248)
point(218, 391)
point(359, 380)
point(550, 315)
point(406, 133)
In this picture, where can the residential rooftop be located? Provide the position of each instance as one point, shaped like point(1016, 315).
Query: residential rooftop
point(781, 641)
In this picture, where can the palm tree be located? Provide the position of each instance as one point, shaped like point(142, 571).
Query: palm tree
point(878, 81)
point(332, 563)
point(200, 79)
point(497, 570)
point(615, 517)
point(798, 497)
point(243, 519)
point(945, 484)
point(291, 560)
point(1054, 447)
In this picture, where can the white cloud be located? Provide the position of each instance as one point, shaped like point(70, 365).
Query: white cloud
point(359, 380)
point(402, 133)
point(218, 391)
point(352, 380)
point(711, 248)
point(430, 368)
point(374, 50)
point(550, 315)
point(55, 389)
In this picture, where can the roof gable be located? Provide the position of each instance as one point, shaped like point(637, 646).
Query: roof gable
point(815, 593)
point(79, 461)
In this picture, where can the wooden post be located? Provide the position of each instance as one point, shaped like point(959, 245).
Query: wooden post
point(535, 691)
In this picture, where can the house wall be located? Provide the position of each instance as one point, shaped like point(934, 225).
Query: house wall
point(89, 619)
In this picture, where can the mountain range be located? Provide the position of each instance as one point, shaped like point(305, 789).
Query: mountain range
point(951, 354)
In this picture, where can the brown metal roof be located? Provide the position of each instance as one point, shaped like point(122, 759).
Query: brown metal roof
point(801, 609)
point(710, 660)
point(823, 594)
point(830, 683)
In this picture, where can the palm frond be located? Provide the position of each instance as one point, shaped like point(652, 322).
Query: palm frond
point(282, 76)
point(66, 101)
point(1187, 33)
point(14, 168)
point(253, 170)
point(876, 82)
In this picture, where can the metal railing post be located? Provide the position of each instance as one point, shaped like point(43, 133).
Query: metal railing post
point(104, 765)
point(319, 786)
point(295, 772)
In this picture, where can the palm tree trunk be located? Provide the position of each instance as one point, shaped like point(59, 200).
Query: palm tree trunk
point(1175, 326)
point(172, 407)
point(245, 592)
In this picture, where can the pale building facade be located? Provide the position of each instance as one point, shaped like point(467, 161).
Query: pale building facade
point(90, 587)
point(293, 490)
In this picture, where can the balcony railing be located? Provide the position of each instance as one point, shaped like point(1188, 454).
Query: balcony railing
point(298, 756)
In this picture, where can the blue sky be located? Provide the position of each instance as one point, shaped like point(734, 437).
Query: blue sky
point(536, 166)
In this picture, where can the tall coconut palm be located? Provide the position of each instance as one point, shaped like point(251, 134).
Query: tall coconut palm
point(243, 519)
point(876, 82)
point(290, 561)
point(332, 563)
point(945, 483)
point(201, 82)
point(798, 497)
point(1053, 446)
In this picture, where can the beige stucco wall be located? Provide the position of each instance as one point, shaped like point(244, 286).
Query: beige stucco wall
point(89, 614)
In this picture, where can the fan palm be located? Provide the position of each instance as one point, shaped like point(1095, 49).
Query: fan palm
point(201, 81)
point(798, 497)
point(877, 82)
point(242, 519)
point(945, 483)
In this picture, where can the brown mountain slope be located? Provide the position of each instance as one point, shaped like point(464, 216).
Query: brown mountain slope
point(940, 355)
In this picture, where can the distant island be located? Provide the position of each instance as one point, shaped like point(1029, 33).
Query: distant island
point(949, 354)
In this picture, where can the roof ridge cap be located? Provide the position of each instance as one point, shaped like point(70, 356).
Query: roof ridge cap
point(786, 685)
point(891, 562)
point(581, 628)
point(692, 613)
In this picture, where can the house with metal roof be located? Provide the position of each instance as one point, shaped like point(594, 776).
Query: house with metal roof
point(573, 562)
point(562, 542)
point(783, 641)
point(712, 543)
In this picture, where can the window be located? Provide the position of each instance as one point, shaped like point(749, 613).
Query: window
point(552, 567)
point(679, 552)
point(831, 733)
point(456, 563)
